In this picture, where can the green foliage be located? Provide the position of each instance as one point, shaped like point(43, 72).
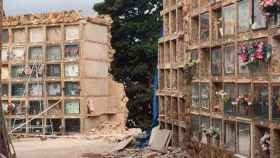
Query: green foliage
point(135, 32)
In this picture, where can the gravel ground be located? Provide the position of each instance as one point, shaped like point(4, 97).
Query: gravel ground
point(60, 148)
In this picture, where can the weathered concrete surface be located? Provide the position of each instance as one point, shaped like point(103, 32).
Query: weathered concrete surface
point(60, 148)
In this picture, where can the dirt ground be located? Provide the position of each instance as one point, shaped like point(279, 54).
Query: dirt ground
point(60, 148)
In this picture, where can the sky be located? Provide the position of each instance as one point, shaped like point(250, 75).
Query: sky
point(19, 7)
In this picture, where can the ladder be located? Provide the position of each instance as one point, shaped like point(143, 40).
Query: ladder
point(37, 66)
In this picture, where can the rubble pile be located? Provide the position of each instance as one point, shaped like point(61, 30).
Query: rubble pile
point(53, 18)
point(112, 132)
point(142, 153)
point(148, 153)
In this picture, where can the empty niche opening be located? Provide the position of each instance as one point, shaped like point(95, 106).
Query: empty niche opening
point(181, 79)
point(17, 71)
point(168, 79)
point(217, 24)
point(54, 89)
point(260, 101)
point(195, 95)
point(5, 73)
point(56, 107)
point(35, 107)
point(72, 89)
point(53, 70)
point(174, 79)
point(174, 108)
point(174, 50)
point(204, 96)
point(216, 57)
point(162, 79)
point(205, 126)
point(16, 123)
point(194, 4)
point(5, 106)
point(167, 52)
point(274, 20)
point(173, 21)
point(229, 17)
point(229, 60)
point(204, 27)
point(195, 57)
point(182, 134)
point(18, 89)
point(244, 17)
point(276, 143)
point(54, 126)
point(19, 35)
point(35, 53)
point(172, 3)
point(53, 52)
point(72, 125)
point(71, 52)
point(5, 36)
point(36, 126)
point(4, 89)
point(35, 89)
point(259, 20)
point(71, 70)
point(175, 132)
point(203, 3)
point(180, 19)
point(275, 64)
point(167, 107)
point(166, 24)
point(53, 34)
point(195, 124)
point(161, 53)
point(72, 106)
point(162, 107)
point(180, 50)
point(17, 54)
point(182, 110)
point(18, 107)
point(71, 33)
point(229, 135)
point(195, 29)
point(276, 102)
point(36, 35)
point(4, 54)
point(244, 139)
point(205, 57)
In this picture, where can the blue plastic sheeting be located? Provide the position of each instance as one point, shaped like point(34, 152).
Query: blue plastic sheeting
point(155, 107)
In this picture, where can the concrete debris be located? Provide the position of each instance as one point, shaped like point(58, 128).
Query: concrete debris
point(148, 153)
point(112, 132)
point(71, 16)
point(160, 139)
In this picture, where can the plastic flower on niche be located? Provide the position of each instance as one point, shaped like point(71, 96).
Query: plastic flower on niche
point(269, 6)
point(244, 56)
point(255, 53)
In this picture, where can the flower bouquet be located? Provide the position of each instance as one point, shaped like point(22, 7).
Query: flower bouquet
point(270, 7)
point(256, 53)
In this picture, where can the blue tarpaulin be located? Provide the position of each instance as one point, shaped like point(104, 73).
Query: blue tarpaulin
point(155, 107)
